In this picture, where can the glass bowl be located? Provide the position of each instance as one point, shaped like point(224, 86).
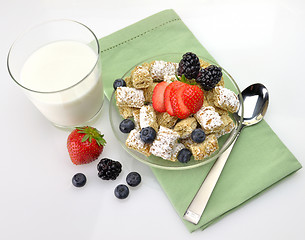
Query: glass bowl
point(157, 162)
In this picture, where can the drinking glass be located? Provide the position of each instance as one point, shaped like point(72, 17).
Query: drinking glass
point(57, 64)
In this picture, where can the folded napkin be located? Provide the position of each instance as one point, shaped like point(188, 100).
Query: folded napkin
point(258, 160)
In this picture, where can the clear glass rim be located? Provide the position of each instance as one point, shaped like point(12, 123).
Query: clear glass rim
point(45, 23)
point(228, 143)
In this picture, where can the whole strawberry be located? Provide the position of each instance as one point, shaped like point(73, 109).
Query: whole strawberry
point(85, 144)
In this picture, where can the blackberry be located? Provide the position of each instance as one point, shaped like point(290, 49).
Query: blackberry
point(133, 179)
point(208, 77)
point(119, 83)
point(198, 135)
point(184, 155)
point(126, 126)
point(109, 169)
point(189, 65)
point(79, 180)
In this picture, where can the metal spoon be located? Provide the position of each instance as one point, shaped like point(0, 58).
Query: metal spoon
point(256, 99)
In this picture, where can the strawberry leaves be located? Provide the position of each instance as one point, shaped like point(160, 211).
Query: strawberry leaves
point(185, 80)
point(92, 133)
point(85, 144)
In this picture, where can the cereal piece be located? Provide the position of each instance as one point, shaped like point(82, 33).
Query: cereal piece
point(164, 143)
point(209, 119)
point(176, 149)
point(131, 97)
point(187, 142)
point(170, 78)
point(134, 142)
point(126, 112)
point(136, 118)
point(185, 127)
point(141, 77)
point(226, 99)
point(148, 92)
point(204, 64)
point(206, 148)
point(228, 126)
point(128, 81)
point(209, 101)
point(148, 117)
point(209, 96)
point(146, 65)
point(220, 111)
point(160, 69)
point(166, 120)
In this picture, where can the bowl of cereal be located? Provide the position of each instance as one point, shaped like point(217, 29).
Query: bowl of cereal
point(175, 111)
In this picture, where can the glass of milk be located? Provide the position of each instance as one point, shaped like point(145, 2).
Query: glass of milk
point(57, 64)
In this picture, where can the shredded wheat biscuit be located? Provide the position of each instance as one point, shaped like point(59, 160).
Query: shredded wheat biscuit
point(228, 126)
point(204, 149)
point(126, 112)
point(209, 119)
point(186, 126)
point(160, 69)
point(166, 120)
point(148, 117)
point(164, 143)
point(226, 99)
point(134, 142)
point(131, 97)
point(148, 92)
point(141, 77)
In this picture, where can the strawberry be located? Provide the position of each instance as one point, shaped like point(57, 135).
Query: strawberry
point(193, 98)
point(85, 144)
point(180, 109)
point(171, 89)
point(158, 97)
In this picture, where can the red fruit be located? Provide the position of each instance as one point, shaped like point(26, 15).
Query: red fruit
point(180, 109)
point(158, 96)
point(85, 144)
point(193, 98)
point(171, 89)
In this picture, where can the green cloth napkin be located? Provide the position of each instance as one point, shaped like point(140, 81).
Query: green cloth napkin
point(258, 160)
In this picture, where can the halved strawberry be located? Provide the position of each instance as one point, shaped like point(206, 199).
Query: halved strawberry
point(171, 89)
point(180, 109)
point(193, 98)
point(158, 96)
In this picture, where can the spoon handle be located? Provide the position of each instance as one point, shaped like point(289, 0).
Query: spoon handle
point(195, 209)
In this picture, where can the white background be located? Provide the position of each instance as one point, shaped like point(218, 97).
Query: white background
point(256, 41)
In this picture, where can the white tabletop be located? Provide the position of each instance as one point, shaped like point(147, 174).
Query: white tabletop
point(256, 41)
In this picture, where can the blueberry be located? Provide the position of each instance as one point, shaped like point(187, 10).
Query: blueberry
point(119, 83)
point(121, 191)
point(148, 134)
point(198, 135)
point(184, 155)
point(79, 180)
point(133, 179)
point(126, 126)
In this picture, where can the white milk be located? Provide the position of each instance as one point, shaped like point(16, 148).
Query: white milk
point(58, 66)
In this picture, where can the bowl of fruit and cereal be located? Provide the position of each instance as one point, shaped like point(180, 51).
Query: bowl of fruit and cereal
point(175, 111)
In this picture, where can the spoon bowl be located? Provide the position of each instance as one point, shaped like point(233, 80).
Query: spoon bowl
point(256, 100)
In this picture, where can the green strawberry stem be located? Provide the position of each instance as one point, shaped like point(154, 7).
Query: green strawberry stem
point(91, 132)
point(185, 80)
